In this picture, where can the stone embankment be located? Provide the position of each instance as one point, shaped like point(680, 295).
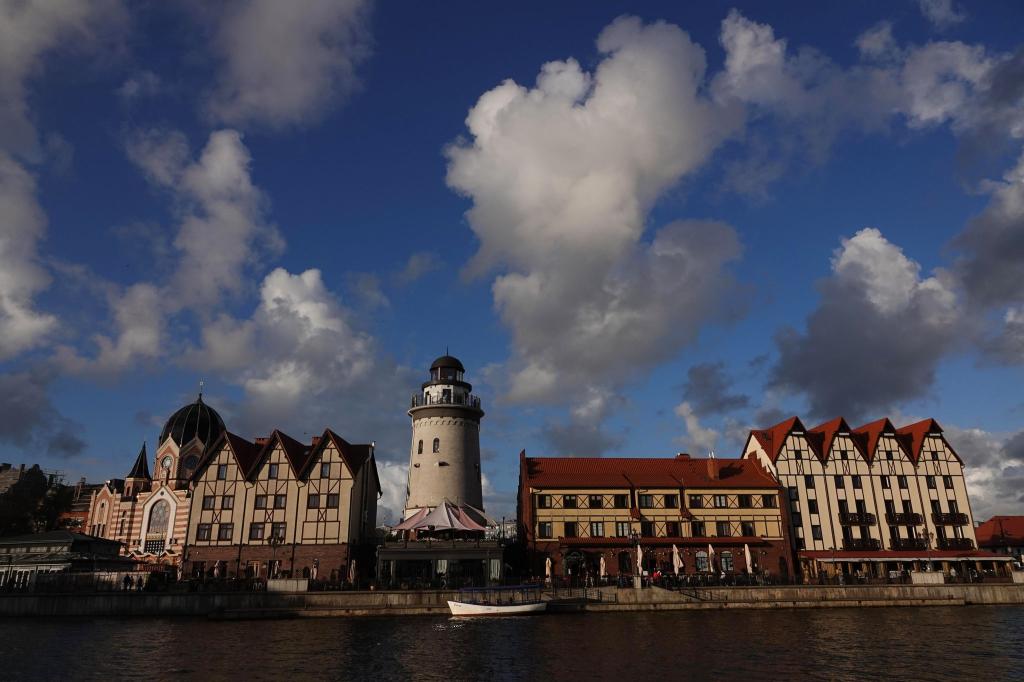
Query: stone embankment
point(244, 605)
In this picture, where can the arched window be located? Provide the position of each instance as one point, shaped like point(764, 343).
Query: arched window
point(159, 515)
point(437, 445)
point(702, 561)
point(727, 562)
point(419, 448)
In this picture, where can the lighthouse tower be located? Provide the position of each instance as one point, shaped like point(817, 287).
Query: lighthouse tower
point(444, 461)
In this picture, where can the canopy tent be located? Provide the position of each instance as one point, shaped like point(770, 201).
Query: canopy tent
point(447, 516)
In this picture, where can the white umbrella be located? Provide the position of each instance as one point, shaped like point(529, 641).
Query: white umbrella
point(352, 572)
point(677, 562)
point(547, 569)
point(601, 567)
point(746, 555)
point(711, 557)
point(639, 560)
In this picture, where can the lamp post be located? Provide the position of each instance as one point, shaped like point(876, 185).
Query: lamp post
point(274, 542)
point(635, 537)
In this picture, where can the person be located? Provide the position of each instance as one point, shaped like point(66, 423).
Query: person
point(952, 573)
point(128, 583)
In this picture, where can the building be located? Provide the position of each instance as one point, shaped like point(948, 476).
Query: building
point(1002, 535)
point(148, 513)
point(76, 518)
point(27, 559)
point(577, 511)
point(278, 507)
point(9, 475)
point(872, 499)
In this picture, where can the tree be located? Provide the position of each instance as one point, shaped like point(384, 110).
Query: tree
point(31, 505)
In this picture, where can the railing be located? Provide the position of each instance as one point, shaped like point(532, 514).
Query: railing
point(909, 544)
point(955, 543)
point(856, 518)
point(423, 400)
point(950, 519)
point(868, 544)
point(904, 519)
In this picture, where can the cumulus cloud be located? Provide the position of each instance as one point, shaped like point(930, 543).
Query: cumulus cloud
point(941, 14)
point(28, 419)
point(284, 63)
point(584, 435)
point(562, 176)
point(419, 264)
point(877, 334)
point(143, 83)
point(394, 481)
point(698, 438)
point(707, 390)
point(994, 467)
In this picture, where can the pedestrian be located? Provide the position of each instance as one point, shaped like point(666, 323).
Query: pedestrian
point(128, 583)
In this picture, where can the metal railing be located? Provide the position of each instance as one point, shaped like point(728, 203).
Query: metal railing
point(955, 543)
point(857, 518)
point(861, 544)
point(950, 519)
point(904, 519)
point(909, 544)
point(425, 400)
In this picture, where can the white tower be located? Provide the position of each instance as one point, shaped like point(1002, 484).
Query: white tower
point(444, 461)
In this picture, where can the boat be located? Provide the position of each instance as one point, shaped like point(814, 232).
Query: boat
point(518, 600)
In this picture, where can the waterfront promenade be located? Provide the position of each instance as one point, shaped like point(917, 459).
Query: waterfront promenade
point(246, 605)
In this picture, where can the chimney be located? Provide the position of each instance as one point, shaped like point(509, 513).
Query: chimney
point(682, 455)
point(262, 440)
point(712, 469)
point(316, 441)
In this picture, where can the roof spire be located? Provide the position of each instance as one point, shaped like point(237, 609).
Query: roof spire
point(141, 467)
point(201, 382)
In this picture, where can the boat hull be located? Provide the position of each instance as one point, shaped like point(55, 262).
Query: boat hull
point(463, 609)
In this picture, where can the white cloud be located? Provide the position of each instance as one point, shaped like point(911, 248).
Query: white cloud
point(394, 478)
point(562, 176)
point(419, 264)
point(941, 14)
point(141, 84)
point(877, 42)
point(698, 439)
point(284, 63)
point(994, 468)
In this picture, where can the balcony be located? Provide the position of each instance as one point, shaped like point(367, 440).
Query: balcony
point(904, 519)
point(421, 400)
point(856, 518)
point(955, 543)
point(950, 519)
point(863, 544)
point(909, 544)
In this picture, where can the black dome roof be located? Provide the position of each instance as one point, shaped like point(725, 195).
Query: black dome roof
point(192, 421)
point(447, 361)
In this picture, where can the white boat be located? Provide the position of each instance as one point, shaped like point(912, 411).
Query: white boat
point(459, 608)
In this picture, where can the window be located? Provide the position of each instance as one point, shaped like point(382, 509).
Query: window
point(543, 502)
point(936, 509)
point(313, 502)
point(809, 482)
point(595, 502)
point(844, 455)
point(671, 501)
point(816, 532)
point(227, 502)
point(256, 531)
point(947, 482)
point(798, 519)
point(907, 507)
point(769, 501)
point(646, 501)
point(812, 506)
point(886, 483)
point(888, 455)
point(621, 529)
point(721, 502)
point(277, 530)
point(544, 529)
point(225, 530)
point(727, 561)
point(702, 561)
point(203, 531)
point(647, 529)
point(419, 448)
point(856, 481)
point(437, 445)
point(930, 480)
point(747, 529)
point(697, 529)
point(222, 472)
point(260, 502)
point(794, 493)
point(798, 454)
point(954, 508)
point(570, 529)
point(569, 501)
point(333, 500)
point(935, 455)
point(901, 481)
point(280, 501)
point(744, 501)
point(622, 501)
point(839, 481)
point(325, 470)
point(272, 471)
point(696, 501)
point(800, 543)
point(672, 529)
point(596, 529)
point(722, 529)
point(208, 501)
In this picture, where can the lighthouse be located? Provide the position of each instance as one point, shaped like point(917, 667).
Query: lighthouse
point(444, 459)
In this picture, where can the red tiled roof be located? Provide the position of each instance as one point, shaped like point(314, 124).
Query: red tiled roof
point(872, 432)
point(823, 435)
point(645, 472)
point(1001, 531)
point(890, 555)
point(773, 438)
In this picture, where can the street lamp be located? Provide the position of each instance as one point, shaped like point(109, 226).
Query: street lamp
point(275, 541)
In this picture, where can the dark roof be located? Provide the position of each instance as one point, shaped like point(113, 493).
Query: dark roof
point(355, 455)
point(197, 420)
point(1001, 531)
point(447, 361)
point(141, 467)
point(645, 472)
point(51, 537)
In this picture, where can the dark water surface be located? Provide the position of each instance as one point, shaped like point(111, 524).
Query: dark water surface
point(982, 643)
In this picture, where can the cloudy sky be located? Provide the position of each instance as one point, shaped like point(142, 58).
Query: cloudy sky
point(641, 233)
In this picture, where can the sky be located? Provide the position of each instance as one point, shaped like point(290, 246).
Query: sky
point(644, 229)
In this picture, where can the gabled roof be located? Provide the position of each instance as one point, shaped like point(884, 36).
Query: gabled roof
point(355, 455)
point(914, 435)
point(773, 439)
point(141, 467)
point(1001, 531)
point(245, 453)
point(823, 436)
point(644, 472)
point(872, 433)
point(295, 453)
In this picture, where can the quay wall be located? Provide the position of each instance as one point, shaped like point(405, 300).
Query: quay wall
point(240, 605)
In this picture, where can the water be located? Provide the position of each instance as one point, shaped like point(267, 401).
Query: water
point(985, 643)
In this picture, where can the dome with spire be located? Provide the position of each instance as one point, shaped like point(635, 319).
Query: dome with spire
point(197, 420)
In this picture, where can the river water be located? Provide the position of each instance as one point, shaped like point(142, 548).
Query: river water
point(985, 643)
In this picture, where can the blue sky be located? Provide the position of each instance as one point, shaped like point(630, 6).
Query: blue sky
point(642, 231)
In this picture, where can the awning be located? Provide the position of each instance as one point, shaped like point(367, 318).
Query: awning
point(446, 516)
